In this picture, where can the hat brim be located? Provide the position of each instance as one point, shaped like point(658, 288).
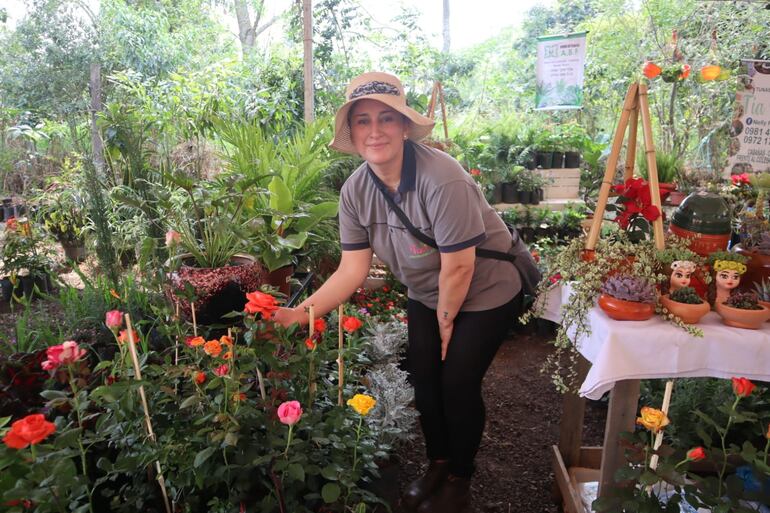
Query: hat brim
point(419, 127)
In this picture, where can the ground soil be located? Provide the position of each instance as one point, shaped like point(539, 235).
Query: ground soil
point(514, 472)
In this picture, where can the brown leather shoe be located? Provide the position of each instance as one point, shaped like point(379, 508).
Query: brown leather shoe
point(421, 488)
point(454, 496)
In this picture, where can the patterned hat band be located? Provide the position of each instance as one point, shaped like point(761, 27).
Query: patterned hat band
point(374, 87)
point(729, 265)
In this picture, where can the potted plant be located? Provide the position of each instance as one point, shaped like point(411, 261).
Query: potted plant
point(763, 293)
point(686, 304)
point(530, 184)
point(742, 310)
point(626, 297)
point(754, 232)
point(573, 137)
point(669, 168)
point(510, 184)
point(544, 152)
point(62, 210)
point(25, 257)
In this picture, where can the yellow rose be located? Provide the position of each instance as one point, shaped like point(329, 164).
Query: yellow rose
point(362, 403)
point(652, 419)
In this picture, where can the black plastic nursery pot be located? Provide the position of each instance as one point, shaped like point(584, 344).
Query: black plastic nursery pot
point(558, 160)
point(544, 159)
point(31, 287)
point(525, 197)
point(497, 194)
point(535, 197)
point(572, 160)
point(510, 194)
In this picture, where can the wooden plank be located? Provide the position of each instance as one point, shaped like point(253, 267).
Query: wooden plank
point(571, 426)
point(612, 162)
point(621, 416)
point(591, 457)
point(570, 496)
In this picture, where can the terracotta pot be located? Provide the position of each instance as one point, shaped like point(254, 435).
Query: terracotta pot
point(701, 243)
point(690, 314)
point(280, 279)
point(766, 304)
point(757, 268)
point(622, 310)
point(740, 318)
point(219, 290)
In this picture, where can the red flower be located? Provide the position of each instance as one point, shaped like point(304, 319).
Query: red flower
point(651, 70)
point(259, 302)
point(555, 278)
point(741, 179)
point(31, 430)
point(636, 200)
point(123, 337)
point(11, 224)
point(310, 344)
point(475, 172)
point(200, 377)
point(351, 324)
point(696, 454)
point(742, 387)
point(319, 325)
point(685, 72)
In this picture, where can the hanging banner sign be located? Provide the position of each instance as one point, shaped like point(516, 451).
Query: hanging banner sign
point(560, 65)
point(749, 149)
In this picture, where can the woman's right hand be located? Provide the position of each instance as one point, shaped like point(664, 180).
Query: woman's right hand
point(288, 316)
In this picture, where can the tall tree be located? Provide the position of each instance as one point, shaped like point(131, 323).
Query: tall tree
point(445, 19)
point(248, 30)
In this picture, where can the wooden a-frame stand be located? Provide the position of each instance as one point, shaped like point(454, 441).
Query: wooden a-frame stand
point(571, 461)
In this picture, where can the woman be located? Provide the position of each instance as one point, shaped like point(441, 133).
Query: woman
point(459, 306)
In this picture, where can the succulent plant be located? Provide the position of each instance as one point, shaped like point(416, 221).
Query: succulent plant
point(762, 290)
point(744, 301)
point(686, 295)
point(629, 288)
point(726, 255)
point(764, 244)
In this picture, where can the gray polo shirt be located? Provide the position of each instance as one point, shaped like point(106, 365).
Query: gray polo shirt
point(444, 203)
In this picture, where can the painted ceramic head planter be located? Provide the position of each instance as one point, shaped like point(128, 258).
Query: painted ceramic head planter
point(727, 276)
point(681, 272)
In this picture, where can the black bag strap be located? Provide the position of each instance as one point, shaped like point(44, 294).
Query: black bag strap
point(480, 252)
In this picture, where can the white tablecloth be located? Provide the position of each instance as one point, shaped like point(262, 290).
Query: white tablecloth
point(655, 348)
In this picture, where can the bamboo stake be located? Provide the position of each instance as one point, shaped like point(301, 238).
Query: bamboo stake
point(664, 409)
point(143, 398)
point(612, 162)
point(340, 362)
point(631, 151)
point(652, 167)
point(176, 343)
point(195, 322)
point(432, 102)
point(311, 389)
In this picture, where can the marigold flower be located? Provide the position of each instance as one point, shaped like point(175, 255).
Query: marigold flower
point(362, 403)
point(222, 370)
point(259, 302)
point(742, 387)
point(310, 344)
point(200, 377)
point(113, 320)
point(195, 341)
point(225, 340)
point(319, 325)
point(351, 324)
point(696, 454)
point(63, 354)
point(289, 412)
point(652, 419)
point(212, 348)
point(31, 430)
point(123, 337)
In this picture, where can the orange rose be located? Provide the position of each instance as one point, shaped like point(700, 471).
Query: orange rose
point(351, 324)
point(195, 341)
point(123, 337)
point(239, 396)
point(200, 377)
point(228, 355)
point(767, 435)
point(212, 348)
point(319, 325)
point(259, 302)
point(225, 340)
point(742, 387)
point(31, 430)
point(652, 419)
point(310, 344)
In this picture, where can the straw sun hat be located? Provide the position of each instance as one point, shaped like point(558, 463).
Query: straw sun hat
point(382, 87)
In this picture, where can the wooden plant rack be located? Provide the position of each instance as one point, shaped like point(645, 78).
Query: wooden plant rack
point(572, 462)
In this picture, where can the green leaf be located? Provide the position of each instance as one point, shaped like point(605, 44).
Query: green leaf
point(4, 421)
point(67, 438)
point(202, 456)
point(316, 214)
point(297, 472)
point(330, 472)
point(53, 394)
point(281, 199)
point(330, 492)
point(293, 241)
point(102, 365)
point(190, 401)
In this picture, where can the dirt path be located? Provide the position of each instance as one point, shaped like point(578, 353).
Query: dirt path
point(523, 411)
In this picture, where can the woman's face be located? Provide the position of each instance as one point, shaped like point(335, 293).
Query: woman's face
point(680, 278)
point(728, 279)
point(377, 132)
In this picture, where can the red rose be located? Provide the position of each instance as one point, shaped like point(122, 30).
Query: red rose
point(696, 454)
point(319, 325)
point(475, 172)
point(351, 324)
point(31, 430)
point(200, 377)
point(742, 387)
point(260, 302)
point(310, 344)
point(651, 70)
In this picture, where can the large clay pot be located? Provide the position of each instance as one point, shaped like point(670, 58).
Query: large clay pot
point(280, 279)
point(622, 310)
point(75, 252)
point(757, 268)
point(219, 290)
point(705, 218)
point(690, 314)
point(740, 318)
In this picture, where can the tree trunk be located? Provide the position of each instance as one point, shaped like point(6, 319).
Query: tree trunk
point(447, 40)
point(97, 145)
point(248, 31)
point(307, 28)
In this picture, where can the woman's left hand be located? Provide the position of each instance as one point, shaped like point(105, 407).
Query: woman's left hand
point(445, 330)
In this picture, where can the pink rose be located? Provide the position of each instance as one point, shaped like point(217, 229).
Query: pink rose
point(222, 370)
point(289, 412)
point(173, 238)
point(63, 354)
point(114, 320)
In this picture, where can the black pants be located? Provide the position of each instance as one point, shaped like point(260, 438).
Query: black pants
point(448, 393)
